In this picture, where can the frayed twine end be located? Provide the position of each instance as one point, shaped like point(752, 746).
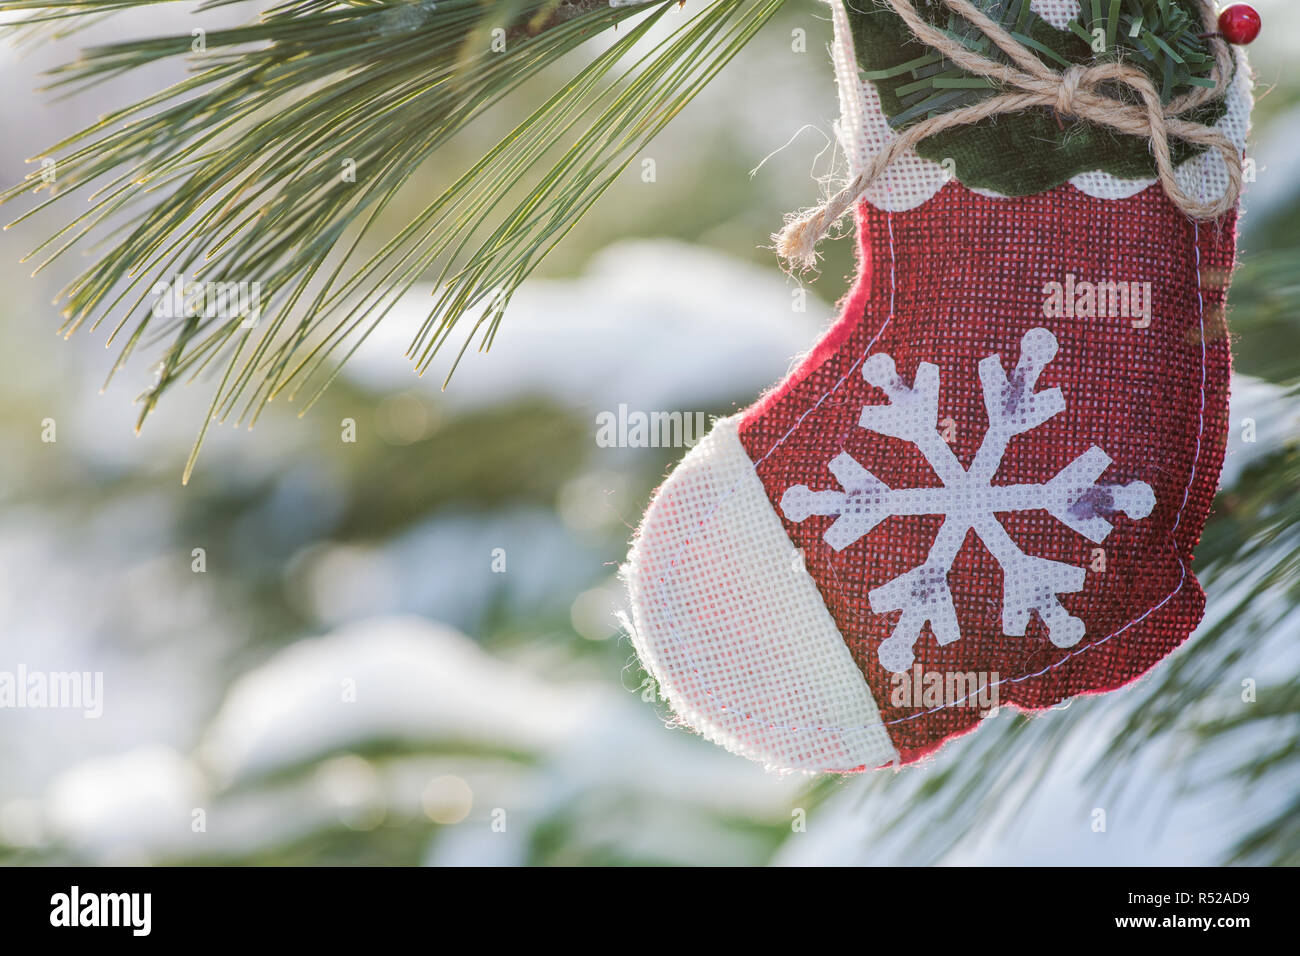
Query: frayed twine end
point(796, 243)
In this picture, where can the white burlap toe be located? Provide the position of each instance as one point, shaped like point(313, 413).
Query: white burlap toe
point(733, 628)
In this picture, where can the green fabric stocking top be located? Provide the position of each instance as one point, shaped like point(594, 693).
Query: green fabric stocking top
point(1021, 153)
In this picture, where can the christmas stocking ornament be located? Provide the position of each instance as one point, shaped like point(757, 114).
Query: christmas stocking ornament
point(984, 485)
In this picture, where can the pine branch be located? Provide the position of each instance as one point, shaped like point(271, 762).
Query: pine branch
point(240, 171)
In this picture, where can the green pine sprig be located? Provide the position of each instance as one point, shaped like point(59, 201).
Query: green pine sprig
point(236, 172)
point(1162, 37)
point(937, 85)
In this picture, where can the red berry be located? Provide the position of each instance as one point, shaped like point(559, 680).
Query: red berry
point(1239, 24)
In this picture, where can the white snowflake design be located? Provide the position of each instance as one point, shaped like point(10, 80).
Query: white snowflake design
point(968, 500)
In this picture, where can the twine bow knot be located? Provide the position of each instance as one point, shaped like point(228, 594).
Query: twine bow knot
point(1032, 83)
point(1070, 81)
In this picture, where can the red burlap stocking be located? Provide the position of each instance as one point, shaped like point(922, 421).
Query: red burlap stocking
point(983, 486)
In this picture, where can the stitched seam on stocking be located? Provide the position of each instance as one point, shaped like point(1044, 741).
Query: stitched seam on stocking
point(1182, 565)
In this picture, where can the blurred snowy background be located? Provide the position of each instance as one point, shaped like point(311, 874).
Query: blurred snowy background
point(403, 649)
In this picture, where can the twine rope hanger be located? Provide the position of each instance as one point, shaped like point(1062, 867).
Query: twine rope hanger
point(1032, 83)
